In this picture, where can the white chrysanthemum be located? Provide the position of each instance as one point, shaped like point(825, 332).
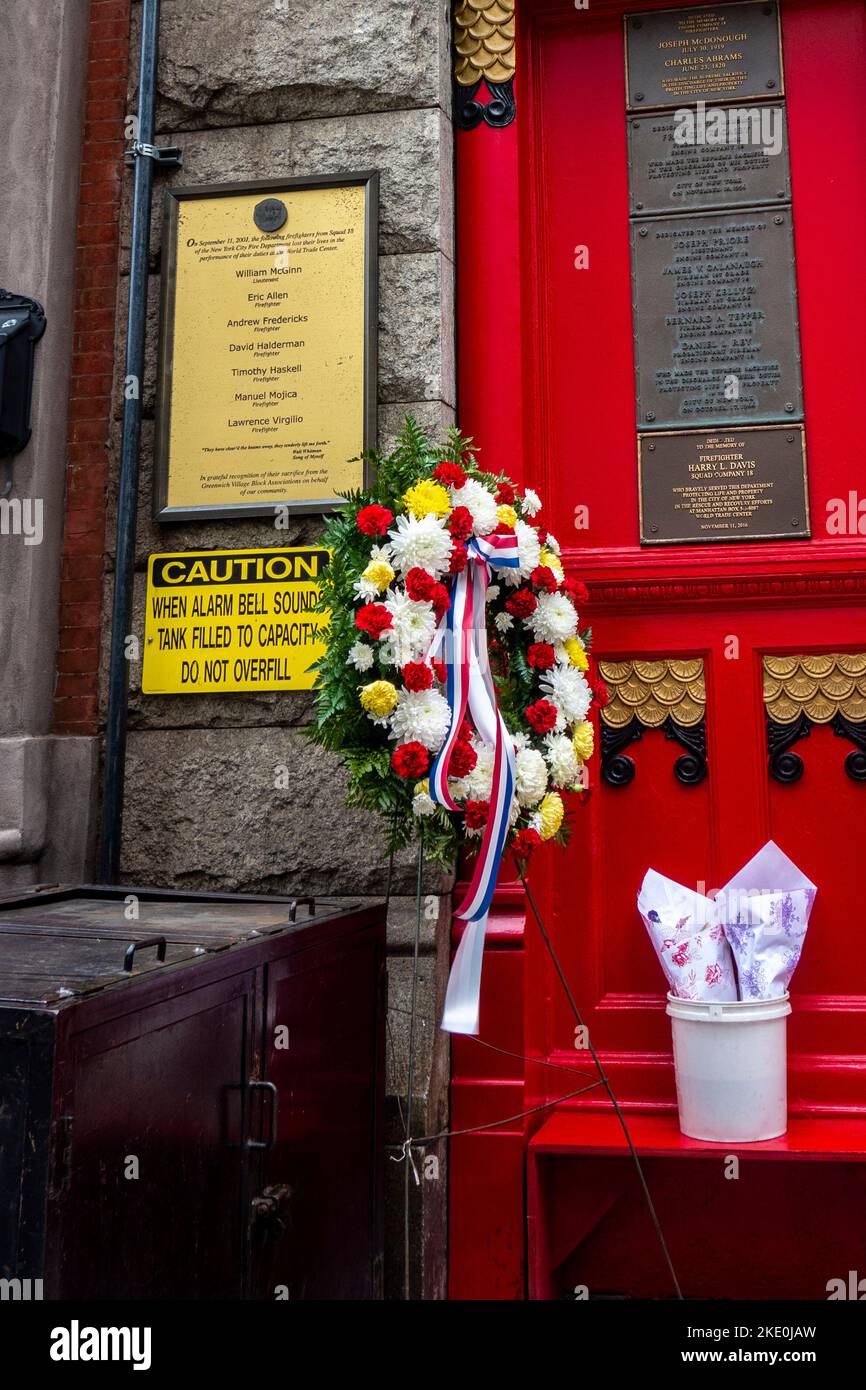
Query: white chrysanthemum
point(535, 822)
point(479, 782)
point(411, 632)
point(531, 503)
point(503, 622)
point(493, 592)
point(554, 619)
point(520, 740)
point(481, 503)
point(421, 716)
point(365, 589)
point(568, 689)
point(423, 804)
point(562, 760)
point(531, 776)
point(553, 544)
point(528, 554)
point(361, 656)
point(420, 542)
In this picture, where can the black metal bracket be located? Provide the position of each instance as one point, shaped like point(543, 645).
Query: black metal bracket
point(618, 769)
point(499, 111)
point(691, 767)
point(163, 156)
point(855, 763)
point(786, 766)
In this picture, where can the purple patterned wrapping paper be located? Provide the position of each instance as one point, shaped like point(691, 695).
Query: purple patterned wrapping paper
point(764, 910)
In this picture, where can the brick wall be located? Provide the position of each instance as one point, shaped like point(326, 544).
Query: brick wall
point(97, 245)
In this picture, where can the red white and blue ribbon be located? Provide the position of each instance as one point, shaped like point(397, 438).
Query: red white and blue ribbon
point(462, 640)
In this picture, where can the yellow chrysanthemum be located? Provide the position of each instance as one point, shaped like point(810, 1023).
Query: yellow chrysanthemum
point(551, 812)
point(422, 788)
point(427, 498)
point(576, 654)
point(551, 560)
point(507, 515)
point(378, 698)
point(380, 573)
point(584, 740)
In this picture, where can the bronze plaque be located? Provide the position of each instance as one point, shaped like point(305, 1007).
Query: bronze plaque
point(723, 485)
point(712, 53)
point(722, 157)
point(715, 319)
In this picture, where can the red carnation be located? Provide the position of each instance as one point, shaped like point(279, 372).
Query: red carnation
point(542, 716)
point(600, 694)
point(420, 585)
point(463, 759)
point(525, 841)
point(505, 495)
point(476, 814)
point(373, 618)
point(542, 534)
point(541, 655)
point(410, 760)
point(576, 591)
point(544, 578)
point(503, 529)
point(522, 603)
point(417, 675)
point(460, 523)
point(449, 474)
point(441, 670)
point(374, 520)
point(441, 600)
point(459, 558)
point(464, 733)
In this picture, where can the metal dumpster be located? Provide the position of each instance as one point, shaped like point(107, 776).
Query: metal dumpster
point(191, 1094)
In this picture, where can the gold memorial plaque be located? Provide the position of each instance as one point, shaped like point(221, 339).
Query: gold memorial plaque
point(267, 379)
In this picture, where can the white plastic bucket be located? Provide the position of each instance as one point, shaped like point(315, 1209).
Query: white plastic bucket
point(731, 1068)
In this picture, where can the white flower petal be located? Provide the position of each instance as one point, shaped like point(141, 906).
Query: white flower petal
point(420, 543)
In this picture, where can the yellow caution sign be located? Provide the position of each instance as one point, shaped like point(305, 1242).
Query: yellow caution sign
point(232, 620)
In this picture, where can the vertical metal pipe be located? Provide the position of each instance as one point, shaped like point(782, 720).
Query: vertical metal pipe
point(121, 617)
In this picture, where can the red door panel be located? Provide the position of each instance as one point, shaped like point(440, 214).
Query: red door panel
point(729, 604)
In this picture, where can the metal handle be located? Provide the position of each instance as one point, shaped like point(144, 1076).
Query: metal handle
point(129, 957)
point(301, 902)
point(272, 1114)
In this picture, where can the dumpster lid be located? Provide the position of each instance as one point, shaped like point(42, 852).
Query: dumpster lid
point(71, 941)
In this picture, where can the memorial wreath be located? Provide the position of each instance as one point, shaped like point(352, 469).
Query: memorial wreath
point(454, 683)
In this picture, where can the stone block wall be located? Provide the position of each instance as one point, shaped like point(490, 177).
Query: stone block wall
point(256, 89)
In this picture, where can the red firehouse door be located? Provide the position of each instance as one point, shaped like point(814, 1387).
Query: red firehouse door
point(737, 682)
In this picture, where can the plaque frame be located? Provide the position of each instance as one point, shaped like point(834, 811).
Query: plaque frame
point(738, 98)
point(172, 199)
point(651, 437)
point(638, 182)
point(780, 214)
